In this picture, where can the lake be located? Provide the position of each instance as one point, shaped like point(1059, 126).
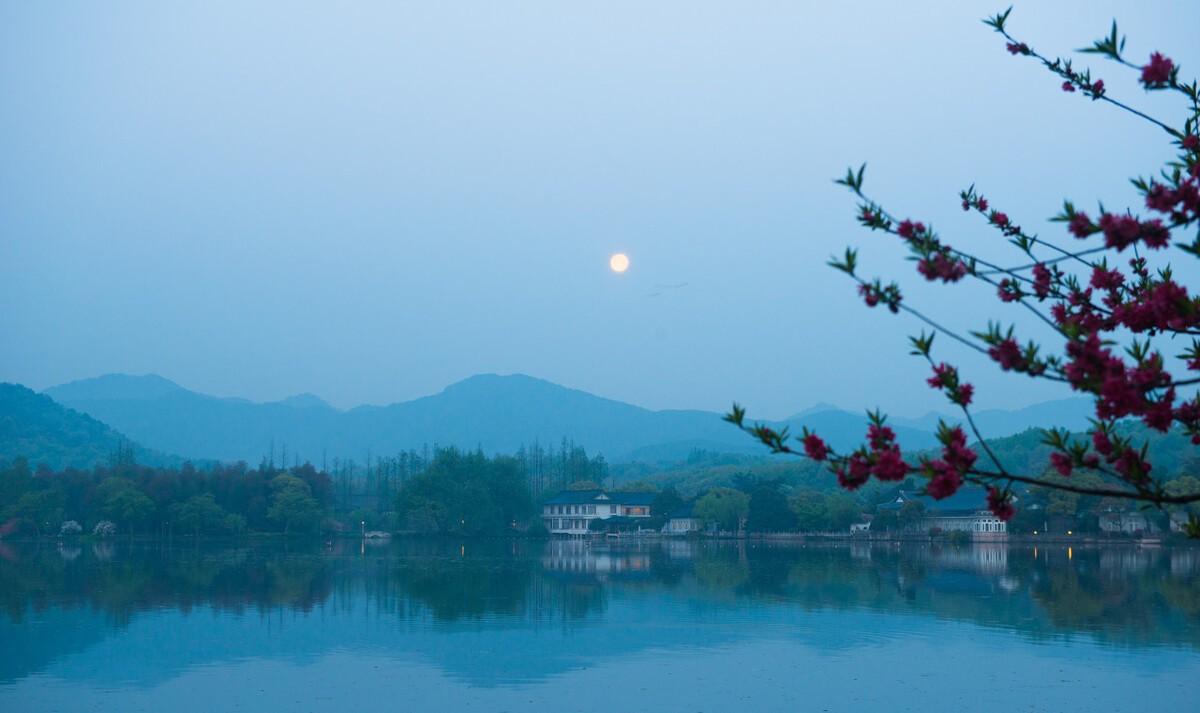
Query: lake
point(510, 625)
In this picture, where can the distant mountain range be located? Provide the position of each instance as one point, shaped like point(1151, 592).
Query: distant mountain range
point(496, 413)
point(45, 432)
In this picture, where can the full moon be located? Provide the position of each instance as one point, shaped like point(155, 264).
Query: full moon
point(619, 262)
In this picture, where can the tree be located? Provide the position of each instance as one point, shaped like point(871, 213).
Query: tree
point(122, 502)
point(843, 511)
point(466, 493)
point(808, 507)
point(639, 486)
point(1140, 306)
point(768, 509)
point(40, 508)
point(885, 521)
point(724, 507)
point(665, 502)
point(200, 513)
point(912, 512)
point(292, 504)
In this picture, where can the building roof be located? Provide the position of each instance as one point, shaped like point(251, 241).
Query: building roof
point(591, 497)
point(630, 498)
point(968, 499)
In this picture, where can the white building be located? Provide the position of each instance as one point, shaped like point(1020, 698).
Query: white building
point(965, 511)
point(683, 520)
point(571, 512)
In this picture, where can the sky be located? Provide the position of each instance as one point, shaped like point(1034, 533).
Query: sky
point(371, 201)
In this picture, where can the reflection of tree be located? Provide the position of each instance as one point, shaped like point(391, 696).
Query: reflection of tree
point(124, 582)
point(1119, 595)
point(467, 587)
point(722, 570)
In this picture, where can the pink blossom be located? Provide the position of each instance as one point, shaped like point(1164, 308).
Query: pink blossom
point(1008, 354)
point(815, 448)
point(1041, 281)
point(1157, 73)
point(945, 481)
point(1009, 290)
point(941, 267)
point(855, 472)
point(909, 230)
point(1000, 504)
point(880, 436)
point(889, 465)
point(1062, 463)
point(1106, 279)
point(1081, 225)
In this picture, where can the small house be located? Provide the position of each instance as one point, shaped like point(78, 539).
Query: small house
point(683, 520)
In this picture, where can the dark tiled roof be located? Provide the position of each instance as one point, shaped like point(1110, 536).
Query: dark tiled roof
point(633, 498)
point(590, 497)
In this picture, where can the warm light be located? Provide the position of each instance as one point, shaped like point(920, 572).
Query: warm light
point(619, 262)
point(1069, 553)
point(1035, 532)
point(1068, 532)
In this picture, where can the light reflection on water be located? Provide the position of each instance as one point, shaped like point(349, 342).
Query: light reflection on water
point(676, 625)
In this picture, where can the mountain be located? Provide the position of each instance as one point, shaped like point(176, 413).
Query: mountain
point(496, 413)
point(1072, 414)
point(33, 426)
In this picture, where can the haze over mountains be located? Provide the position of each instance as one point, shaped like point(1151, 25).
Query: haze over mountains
point(496, 413)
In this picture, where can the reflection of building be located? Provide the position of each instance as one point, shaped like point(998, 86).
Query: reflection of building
point(683, 520)
point(571, 512)
point(579, 558)
point(965, 511)
point(984, 558)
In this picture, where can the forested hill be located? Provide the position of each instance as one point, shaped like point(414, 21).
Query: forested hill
point(33, 426)
point(497, 413)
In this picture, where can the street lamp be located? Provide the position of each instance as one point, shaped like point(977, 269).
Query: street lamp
point(363, 524)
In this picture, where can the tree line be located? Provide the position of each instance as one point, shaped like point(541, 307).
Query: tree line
point(439, 489)
point(125, 497)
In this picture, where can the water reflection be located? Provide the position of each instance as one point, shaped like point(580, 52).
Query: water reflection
point(64, 606)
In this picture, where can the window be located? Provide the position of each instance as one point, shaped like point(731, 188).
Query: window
point(612, 509)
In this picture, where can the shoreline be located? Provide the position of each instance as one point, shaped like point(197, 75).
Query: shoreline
point(1168, 539)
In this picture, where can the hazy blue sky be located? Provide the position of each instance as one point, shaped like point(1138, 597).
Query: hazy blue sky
point(370, 201)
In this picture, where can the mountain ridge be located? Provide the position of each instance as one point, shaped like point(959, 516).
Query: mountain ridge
point(498, 413)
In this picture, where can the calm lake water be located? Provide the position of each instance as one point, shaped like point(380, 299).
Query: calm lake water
point(571, 626)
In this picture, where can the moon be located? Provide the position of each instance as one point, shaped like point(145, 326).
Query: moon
point(619, 262)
